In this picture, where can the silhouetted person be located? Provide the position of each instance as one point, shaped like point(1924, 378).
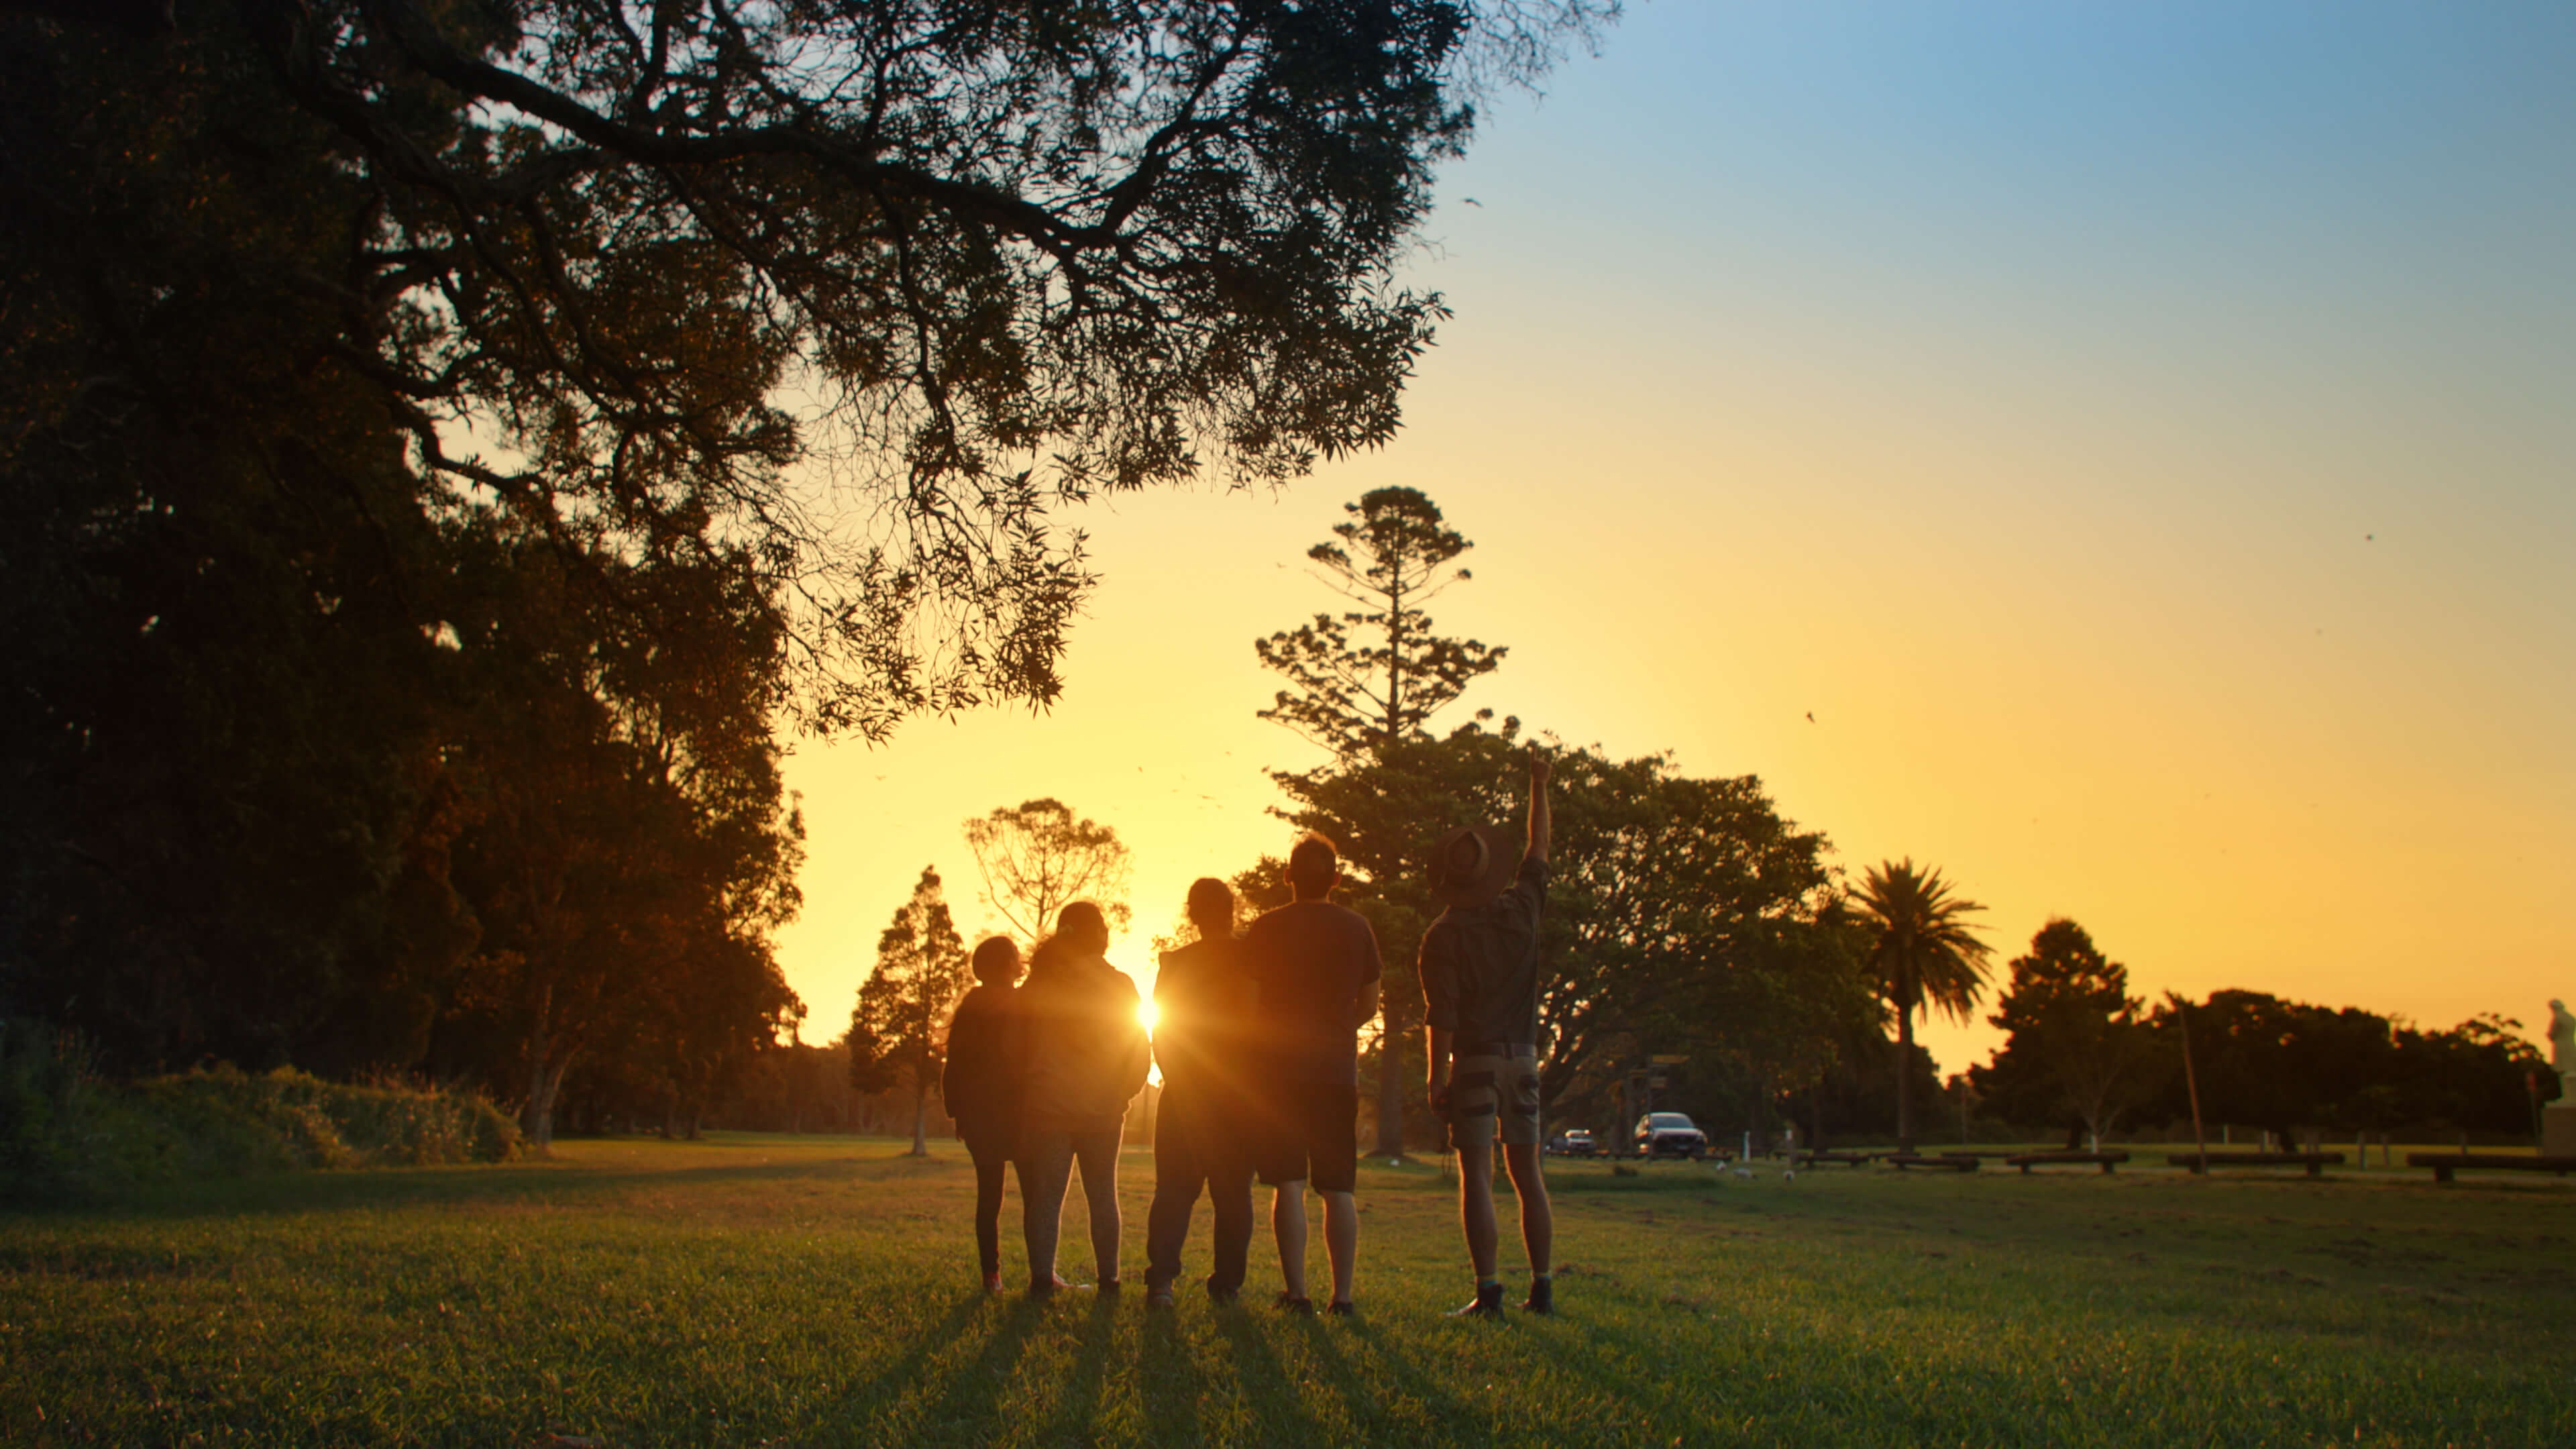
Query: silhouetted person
point(980, 1085)
point(1203, 1028)
point(1480, 979)
point(1085, 1057)
point(1317, 967)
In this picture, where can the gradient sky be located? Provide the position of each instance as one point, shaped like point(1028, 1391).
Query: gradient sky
point(2144, 437)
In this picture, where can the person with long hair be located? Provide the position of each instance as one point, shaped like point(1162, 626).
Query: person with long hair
point(1084, 1058)
point(980, 1086)
point(1203, 1032)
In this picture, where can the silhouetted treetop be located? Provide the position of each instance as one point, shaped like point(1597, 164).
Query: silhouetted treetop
point(1363, 695)
point(621, 265)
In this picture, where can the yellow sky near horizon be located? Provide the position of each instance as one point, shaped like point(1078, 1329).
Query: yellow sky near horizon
point(2179, 550)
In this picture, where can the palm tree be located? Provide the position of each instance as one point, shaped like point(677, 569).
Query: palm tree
point(1924, 955)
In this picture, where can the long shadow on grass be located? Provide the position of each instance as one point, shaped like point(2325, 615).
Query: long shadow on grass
point(858, 1412)
point(1079, 1404)
point(1367, 1402)
point(1266, 1386)
point(1171, 1379)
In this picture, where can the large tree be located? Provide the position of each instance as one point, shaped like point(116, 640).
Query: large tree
point(1038, 857)
point(899, 1029)
point(1684, 914)
point(619, 265)
point(2077, 1048)
point(1923, 954)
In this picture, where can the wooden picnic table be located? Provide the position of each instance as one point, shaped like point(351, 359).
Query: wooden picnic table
point(1954, 1161)
point(2028, 1160)
point(2314, 1162)
point(2446, 1163)
point(1846, 1159)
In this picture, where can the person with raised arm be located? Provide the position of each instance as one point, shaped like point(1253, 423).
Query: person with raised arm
point(1480, 985)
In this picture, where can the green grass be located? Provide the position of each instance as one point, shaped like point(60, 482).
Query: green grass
point(819, 1291)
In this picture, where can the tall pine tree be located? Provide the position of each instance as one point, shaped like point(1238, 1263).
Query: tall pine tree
point(899, 1031)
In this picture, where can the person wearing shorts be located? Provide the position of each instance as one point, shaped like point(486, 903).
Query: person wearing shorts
point(1316, 969)
point(1480, 981)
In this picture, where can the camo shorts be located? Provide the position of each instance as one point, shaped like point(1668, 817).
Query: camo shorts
point(1493, 1097)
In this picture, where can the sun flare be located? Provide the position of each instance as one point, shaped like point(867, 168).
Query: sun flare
point(1146, 1015)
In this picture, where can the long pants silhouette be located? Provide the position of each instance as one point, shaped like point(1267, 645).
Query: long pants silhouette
point(1046, 1163)
point(990, 1159)
point(1190, 1150)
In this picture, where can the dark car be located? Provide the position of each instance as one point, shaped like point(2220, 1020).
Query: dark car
point(1575, 1143)
point(1670, 1134)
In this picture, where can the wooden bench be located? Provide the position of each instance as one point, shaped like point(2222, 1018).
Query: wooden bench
point(2446, 1163)
point(2314, 1162)
point(1954, 1161)
point(2028, 1160)
point(1846, 1159)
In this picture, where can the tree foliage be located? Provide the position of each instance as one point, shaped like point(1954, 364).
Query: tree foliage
point(1922, 954)
point(899, 1029)
point(1354, 697)
point(2285, 1065)
point(2078, 1047)
point(1039, 857)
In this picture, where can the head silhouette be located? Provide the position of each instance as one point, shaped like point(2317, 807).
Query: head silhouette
point(1211, 908)
point(1082, 927)
point(997, 961)
point(1464, 860)
point(1313, 866)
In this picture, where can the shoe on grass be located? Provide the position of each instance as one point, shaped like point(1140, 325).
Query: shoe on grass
point(1290, 1303)
point(1488, 1303)
point(1221, 1295)
point(1342, 1308)
point(1159, 1298)
point(1542, 1297)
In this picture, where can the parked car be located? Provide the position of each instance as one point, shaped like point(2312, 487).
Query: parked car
point(1670, 1134)
point(1575, 1142)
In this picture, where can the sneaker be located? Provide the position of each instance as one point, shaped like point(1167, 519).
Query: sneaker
point(1342, 1308)
point(1159, 1298)
point(1221, 1295)
point(1488, 1303)
point(1542, 1297)
point(1291, 1304)
point(1109, 1287)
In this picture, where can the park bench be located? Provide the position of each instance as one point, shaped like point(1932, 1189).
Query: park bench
point(2446, 1163)
point(1846, 1159)
point(2028, 1160)
point(2314, 1162)
point(1954, 1161)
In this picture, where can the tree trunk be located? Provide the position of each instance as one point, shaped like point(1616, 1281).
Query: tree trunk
point(1904, 1078)
point(920, 1120)
point(542, 1087)
point(1390, 1090)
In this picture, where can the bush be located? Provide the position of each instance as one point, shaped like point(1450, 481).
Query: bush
point(66, 1135)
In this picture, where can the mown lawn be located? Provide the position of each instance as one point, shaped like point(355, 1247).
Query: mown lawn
point(820, 1291)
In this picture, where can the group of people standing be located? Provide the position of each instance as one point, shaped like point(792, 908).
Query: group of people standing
point(1257, 1034)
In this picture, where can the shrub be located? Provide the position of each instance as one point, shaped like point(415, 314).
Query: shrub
point(66, 1135)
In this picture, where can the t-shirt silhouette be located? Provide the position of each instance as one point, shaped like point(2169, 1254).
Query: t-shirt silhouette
point(1311, 958)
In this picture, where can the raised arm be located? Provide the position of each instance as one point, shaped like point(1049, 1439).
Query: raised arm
point(1538, 821)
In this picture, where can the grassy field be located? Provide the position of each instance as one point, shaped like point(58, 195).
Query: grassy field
point(820, 1291)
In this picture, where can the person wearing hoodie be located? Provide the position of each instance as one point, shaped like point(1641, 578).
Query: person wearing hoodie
point(980, 1086)
point(1083, 1059)
point(1205, 1034)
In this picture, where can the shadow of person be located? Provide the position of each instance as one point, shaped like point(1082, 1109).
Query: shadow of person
point(1080, 1401)
point(1268, 1391)
point(1170, 1378)
point(967, 1398)
point(1416, 1410)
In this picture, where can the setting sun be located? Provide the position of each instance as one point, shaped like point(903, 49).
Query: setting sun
point(1146, 1014)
